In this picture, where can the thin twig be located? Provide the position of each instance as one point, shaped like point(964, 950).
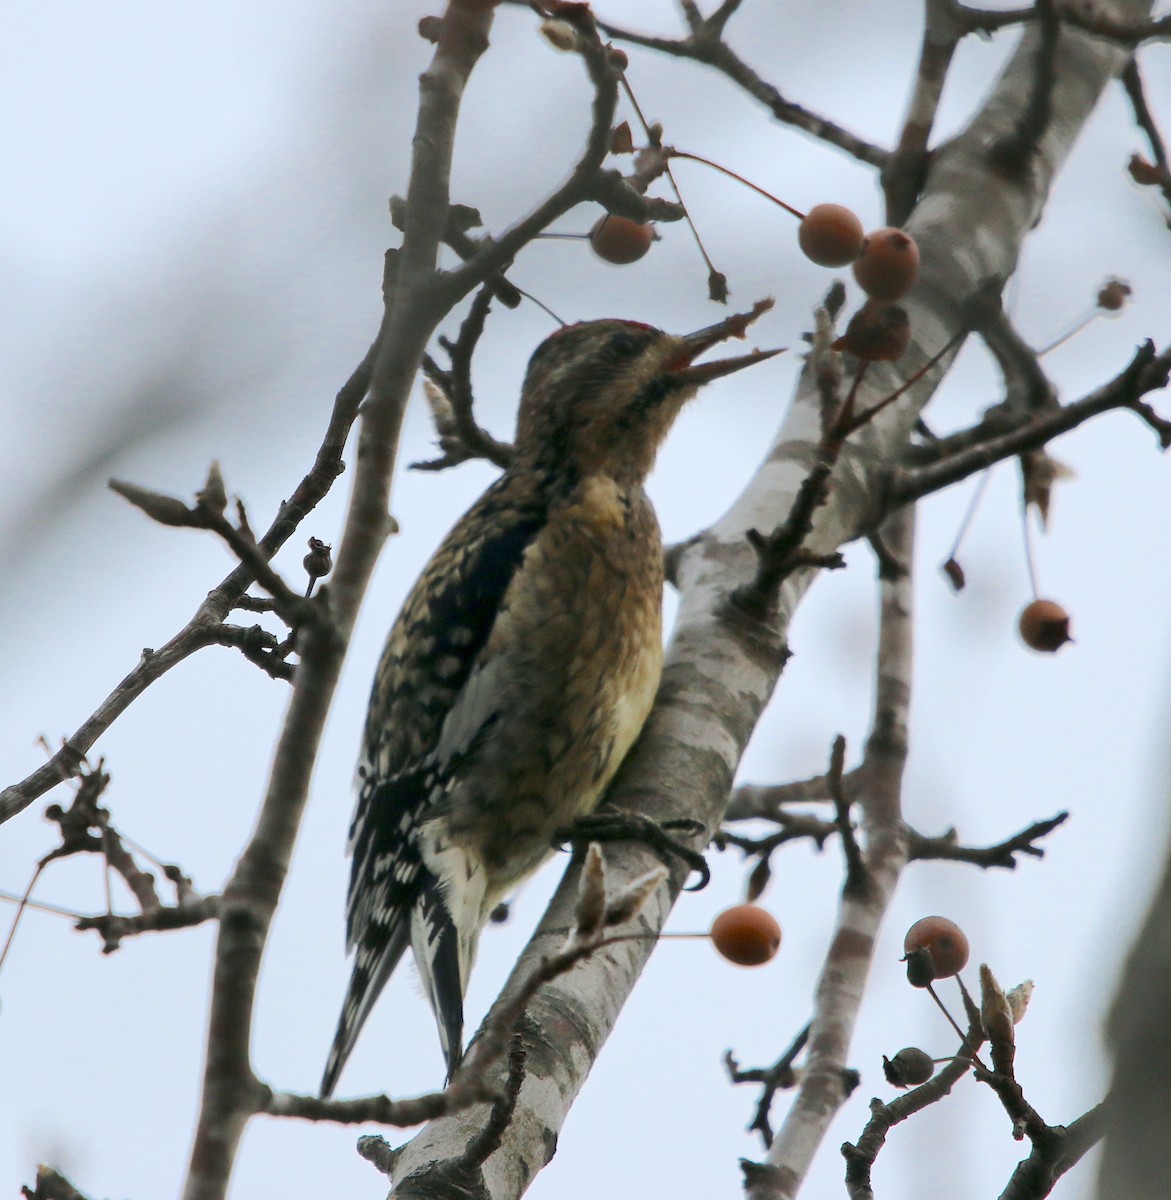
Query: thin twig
point(313, 487)
point(964, 454)
point(1003, 854)
point(706, 46)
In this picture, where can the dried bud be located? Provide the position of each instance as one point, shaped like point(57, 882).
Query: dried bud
point(1144, 172)
point(996, 1016)
point(633, 898)
point(319, 561)
point(920, 968)
point(717, 286)
point(621, 139)
point(1039, 472)
point(1018, 1000)
point(758, 879)
point(590, 912)
point(908, 1068)
point(167, 510)
point(442, 412)
point(213, 496)
point(955, 574)
point(560, 34)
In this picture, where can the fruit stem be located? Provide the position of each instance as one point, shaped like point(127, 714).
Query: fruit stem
point(973, 504)
point(1072, 331)
point(23, 904)
point(711, 266)
point(707, 162)
point(951, 1021)
point(1029, 564)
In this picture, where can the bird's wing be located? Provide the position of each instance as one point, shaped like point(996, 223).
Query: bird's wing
point(432, 651)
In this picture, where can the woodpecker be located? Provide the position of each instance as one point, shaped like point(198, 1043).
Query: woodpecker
point(521, 667)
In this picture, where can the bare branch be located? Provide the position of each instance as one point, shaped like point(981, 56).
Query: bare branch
point(1014, 152)
point(779, 1077)
point(256, 643)
point(415, 302)
point(1132, 81)
point(51, 1185)
point(753, 800)
point(1002, 854)
point(841, 985)
point(904, 171)
point(705, 45)
point(1061, 1149)
point(860, 1156)
point(857, 876)
point(966, 453)
point(461, 437)
point(159, 918)
point(586, 181)
point(219, 602)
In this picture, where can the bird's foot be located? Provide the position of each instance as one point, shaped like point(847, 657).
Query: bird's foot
point(609, 825)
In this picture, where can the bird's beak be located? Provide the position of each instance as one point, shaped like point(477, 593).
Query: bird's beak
point(680, 369)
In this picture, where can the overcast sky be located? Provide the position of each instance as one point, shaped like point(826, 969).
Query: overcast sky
point(191, 239)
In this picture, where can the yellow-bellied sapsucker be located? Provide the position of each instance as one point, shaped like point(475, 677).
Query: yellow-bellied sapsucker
point(522, 666)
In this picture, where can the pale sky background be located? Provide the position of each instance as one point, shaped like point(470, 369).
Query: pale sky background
point(191, 238)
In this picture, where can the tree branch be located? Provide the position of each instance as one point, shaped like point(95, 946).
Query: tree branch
point(231, 1093)
point(1002, 854)
point(154, 664)
point(704, 45)
point(1146, 372)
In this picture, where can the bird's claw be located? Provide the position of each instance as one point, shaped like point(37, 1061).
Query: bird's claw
point(610, 825)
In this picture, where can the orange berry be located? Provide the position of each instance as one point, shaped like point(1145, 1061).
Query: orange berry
point(888, 264)
point(747, 935)
point(620, 240)
point(876, 333)
point(831, 235)
point(1044, 626)
point(944, 940)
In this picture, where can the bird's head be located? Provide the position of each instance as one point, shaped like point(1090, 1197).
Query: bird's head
point(600, 396)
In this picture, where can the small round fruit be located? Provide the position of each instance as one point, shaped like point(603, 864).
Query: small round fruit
point(944, 940)
point(888, 265)
point(1113, 294)
point(831, 235)
point(620, 240)
point(908, 1068)
point(1044, 626)
point(747, 935)
point(876, 333)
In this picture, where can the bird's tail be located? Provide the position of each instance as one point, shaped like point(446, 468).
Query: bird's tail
point(436, 943)
point(372, 967)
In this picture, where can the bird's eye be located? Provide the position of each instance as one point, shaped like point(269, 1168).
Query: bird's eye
point(625, 344)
